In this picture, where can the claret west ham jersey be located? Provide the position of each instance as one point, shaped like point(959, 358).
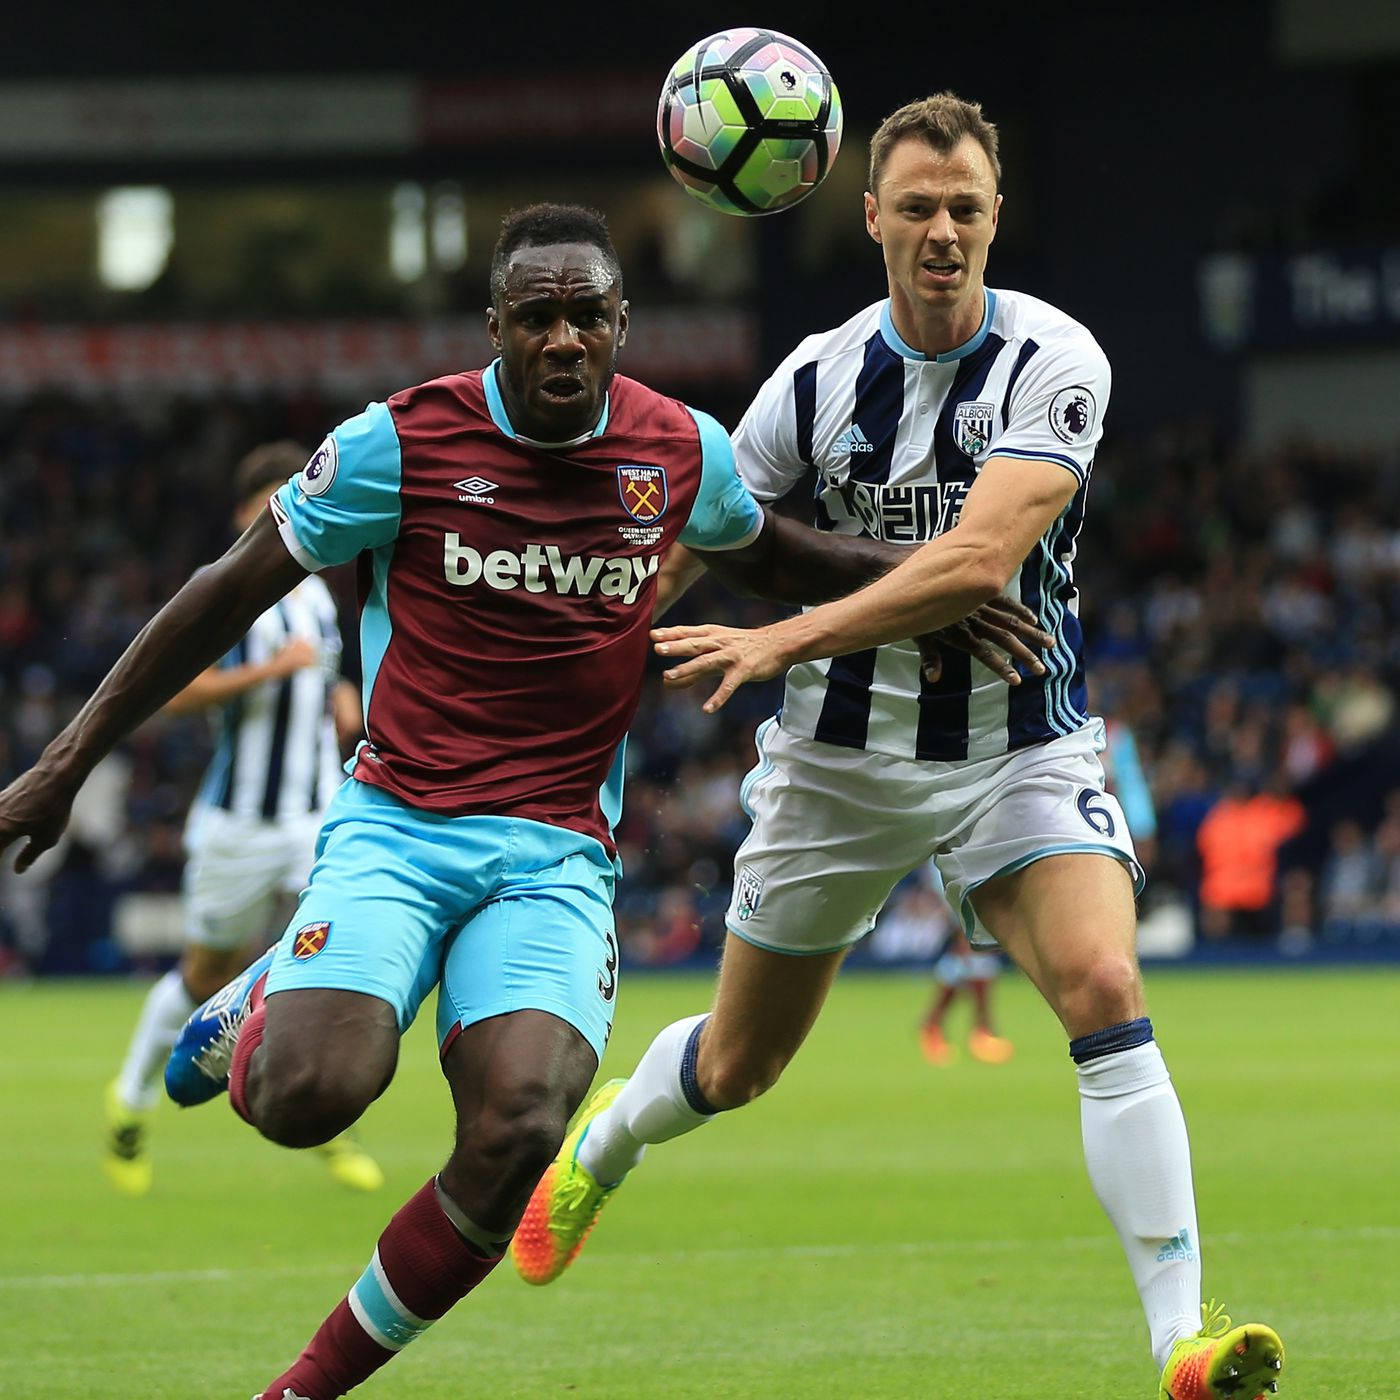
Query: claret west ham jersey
point(896, 439)
point(507, 585)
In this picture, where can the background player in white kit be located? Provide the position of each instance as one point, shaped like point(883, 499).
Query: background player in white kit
point(282, 713)
point(969, 417)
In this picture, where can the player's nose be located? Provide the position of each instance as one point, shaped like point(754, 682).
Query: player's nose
point(941, 228)
point(564, 339)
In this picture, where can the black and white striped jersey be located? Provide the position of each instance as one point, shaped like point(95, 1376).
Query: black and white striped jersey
point(896, 438)
point(276, 755)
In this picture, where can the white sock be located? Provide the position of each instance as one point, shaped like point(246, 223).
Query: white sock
point(168, 1006)
point(652, 1107)
point(1139, 1162)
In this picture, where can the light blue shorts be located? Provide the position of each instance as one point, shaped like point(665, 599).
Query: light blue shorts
point(508, 915)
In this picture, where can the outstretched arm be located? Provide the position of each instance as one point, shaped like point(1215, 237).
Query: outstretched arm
point(198, 625)
point(792, 563)
point(1007, 510)
point(220, 684)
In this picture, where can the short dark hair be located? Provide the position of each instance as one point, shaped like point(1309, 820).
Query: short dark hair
point(266, 467)
point(942, 121)
point(537, 225)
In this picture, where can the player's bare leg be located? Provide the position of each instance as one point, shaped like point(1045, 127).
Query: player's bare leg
point(310, 1061)
point(937, 1048)
point(515, 1079)
point(764, 1006)
point(1069, 922)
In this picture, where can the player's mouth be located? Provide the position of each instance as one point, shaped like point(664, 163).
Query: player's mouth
point(562, 388)
point(941, 273)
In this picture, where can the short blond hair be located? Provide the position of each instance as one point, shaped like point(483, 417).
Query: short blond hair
point(941, 120)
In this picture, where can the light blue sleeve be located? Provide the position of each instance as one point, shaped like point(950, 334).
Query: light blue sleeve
point(725, 514)
point(346, 498)
point(1130, 783)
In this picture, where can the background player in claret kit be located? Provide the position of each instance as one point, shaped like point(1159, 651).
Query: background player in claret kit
point(978, 414)
point(509, 525)
point(283, 713)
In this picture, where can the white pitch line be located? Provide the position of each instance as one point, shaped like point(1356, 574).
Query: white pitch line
point(690, 1256)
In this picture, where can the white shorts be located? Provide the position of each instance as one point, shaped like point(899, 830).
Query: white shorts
point(236, 867)
point(834, 830)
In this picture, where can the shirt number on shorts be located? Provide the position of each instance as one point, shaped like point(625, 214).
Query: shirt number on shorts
point(607, 978)
point(1099, 817)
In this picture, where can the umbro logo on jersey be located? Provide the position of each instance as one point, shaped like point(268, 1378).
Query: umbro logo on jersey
point(538, 568)
point(476, 488)
point(852, 440)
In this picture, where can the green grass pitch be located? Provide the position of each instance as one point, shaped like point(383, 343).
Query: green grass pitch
point(874, 1228)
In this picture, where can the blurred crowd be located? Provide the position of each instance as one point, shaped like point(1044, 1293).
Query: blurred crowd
point(1242, 615)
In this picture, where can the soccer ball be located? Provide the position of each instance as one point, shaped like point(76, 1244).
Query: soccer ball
point(749, 121)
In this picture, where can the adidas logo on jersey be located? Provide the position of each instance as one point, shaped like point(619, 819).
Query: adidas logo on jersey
point(852, 440)
point(539, 567)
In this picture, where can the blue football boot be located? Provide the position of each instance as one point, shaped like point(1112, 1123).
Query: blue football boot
point(199, 1062)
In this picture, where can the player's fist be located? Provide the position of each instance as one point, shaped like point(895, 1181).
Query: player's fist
point(999, 634)
point(36, 805)
point(294, 656)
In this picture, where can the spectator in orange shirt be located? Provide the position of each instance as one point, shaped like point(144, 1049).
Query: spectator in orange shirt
point(1238, 843)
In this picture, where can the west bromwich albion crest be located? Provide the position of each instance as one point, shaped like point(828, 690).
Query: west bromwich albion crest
point(749, 894)
point(643, 492)
point(972, 427)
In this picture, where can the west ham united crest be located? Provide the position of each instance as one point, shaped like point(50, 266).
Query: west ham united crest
point(972, 427)
point(643, 492)
point(309, 940)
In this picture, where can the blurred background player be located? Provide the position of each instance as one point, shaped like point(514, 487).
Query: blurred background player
point(963, 968)
point(283, 716)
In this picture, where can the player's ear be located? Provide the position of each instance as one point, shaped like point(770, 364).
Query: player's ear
point(872, 217)
point(996, 214)
point(622, 319)
point(493, 328)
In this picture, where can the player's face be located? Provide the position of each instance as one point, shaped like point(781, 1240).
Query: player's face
point(935, 216)
point(558, 329)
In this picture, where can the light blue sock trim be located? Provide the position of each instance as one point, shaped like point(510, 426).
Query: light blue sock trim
point(378, 1310)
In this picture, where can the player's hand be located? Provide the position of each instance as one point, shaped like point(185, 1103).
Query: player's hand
point(294, 656)
point(998, 634)
point(739, 655)
point(36, 805)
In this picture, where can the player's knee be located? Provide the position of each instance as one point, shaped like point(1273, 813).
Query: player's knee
point(1105, 992)
point(516, 1135)
point(304, 1105)
point(730, 1079)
